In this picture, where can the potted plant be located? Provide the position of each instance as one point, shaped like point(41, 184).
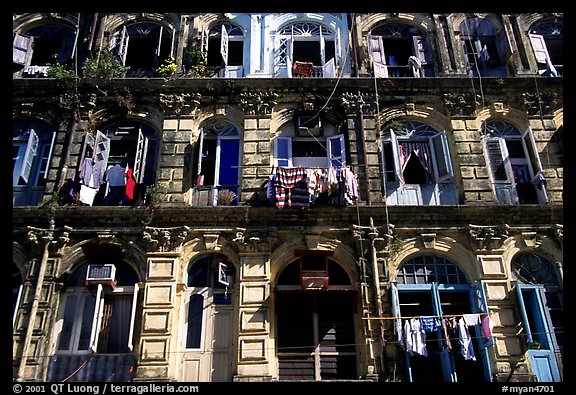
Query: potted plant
point(535, 345)
point(225, 197)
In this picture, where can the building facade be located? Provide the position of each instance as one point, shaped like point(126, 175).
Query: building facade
point(287, 197)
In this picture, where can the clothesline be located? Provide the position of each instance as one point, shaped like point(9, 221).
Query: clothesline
point(418, 316)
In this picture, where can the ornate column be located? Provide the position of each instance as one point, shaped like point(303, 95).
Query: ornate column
point(37, 302)
point(158, 347)
point(255, 343)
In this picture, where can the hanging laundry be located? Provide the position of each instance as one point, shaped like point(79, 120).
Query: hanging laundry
point(399, 333)
point(471, 319)
point(486, 329)
point(429, 323)
point(466, 346)
point(418, 338)
point(351, 186)
point(446, 334)
point(408, 338)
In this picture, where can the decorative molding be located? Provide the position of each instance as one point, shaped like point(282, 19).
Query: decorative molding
point(488, 238)
point(258, 103)
point(461, 103)
point(56, 238)
point(429, 240)
point(540, 104)
point(354, 103)
point(165, 239)
point(180, 103)
point(531, 239)
point(256, 240)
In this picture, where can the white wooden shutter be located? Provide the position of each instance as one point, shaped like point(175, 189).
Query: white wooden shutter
point(101, 152)
point(200, 148)
point(289, 52)
point(132, 318)
point(539, 47)
point(536, 172)
point(322, 48)
point(503, 44)
point(140, 159)
point(17, 306)
point(30, 154)
point(420, 49)
point(98, 305)
point(159, 46)
point(338, 48)
point(88, 142)
point(376, 50)
point(439, 146)
point(123, 45)
point(329, 69)
point(336, 151)
point(497, 158)
point(395, 151)
point(22, 49)
point(44, 170)
point(204, 44)
point(224, 45)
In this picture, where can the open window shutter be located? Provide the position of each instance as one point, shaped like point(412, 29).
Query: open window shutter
point(442, 156)
point(478, 48)
point(88, 142)
point(132, 318)
point(394, 142)
point(123, 45)
point(31, 150)
point(44, 170)
point(140, 160)
point(283, 151)
point(336, 151)
point(420, 49)
point(159, 46)
point(497, 159)
point(376, 50)
point(322, 48)
point(329, 69)
point(22, 49)
point(101, 151)
point(539, 47)
point(338, 46)
point(531, 152)
point(224, 45)
point(503, 44)
point(17, 306)
point(204, 44)
point(200, 149)
point(396, 309)
point(479, 305)
point(289, 52)
point(96, 319)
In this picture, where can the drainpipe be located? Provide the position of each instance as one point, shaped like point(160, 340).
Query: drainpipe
point(93, 32)
point(46, 237)
point(560, 272)
point(376, 273)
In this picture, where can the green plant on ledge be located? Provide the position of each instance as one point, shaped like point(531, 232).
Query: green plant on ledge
point(64, 76)
point(104, 66)
point(167, 69)
point(225, 197)
point(154, 195)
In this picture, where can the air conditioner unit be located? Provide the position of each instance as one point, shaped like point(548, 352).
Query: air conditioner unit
point(101, 274)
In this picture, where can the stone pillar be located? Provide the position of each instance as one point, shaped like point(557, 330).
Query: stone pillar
point(157, 348)
point(255, 343)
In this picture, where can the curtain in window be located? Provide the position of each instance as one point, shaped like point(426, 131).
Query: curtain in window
point(422, 152)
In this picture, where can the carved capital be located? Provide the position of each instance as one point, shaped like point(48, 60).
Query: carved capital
point(487, 238)
point(461, 103)
point(256, 240)
point(258, 103)
point(181, 103)
point(354, 103)
point(540, 104)
point(165, 239)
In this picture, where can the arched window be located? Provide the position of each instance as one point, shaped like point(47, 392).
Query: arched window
point(38, 47)
point(439, 321)
point(218, 171)
point(131, 144)
point(315, 306)
point(97, 316)
point(223, 49)
point(307, 49)
point(417, 165)
point(400, 50)
point(547, 40)
point(541, 305)
point(32, 145)
point(142, 46)
point(514, 162)
point(486, 51)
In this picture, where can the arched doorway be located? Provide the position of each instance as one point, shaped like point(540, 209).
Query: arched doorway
point(315, 304)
